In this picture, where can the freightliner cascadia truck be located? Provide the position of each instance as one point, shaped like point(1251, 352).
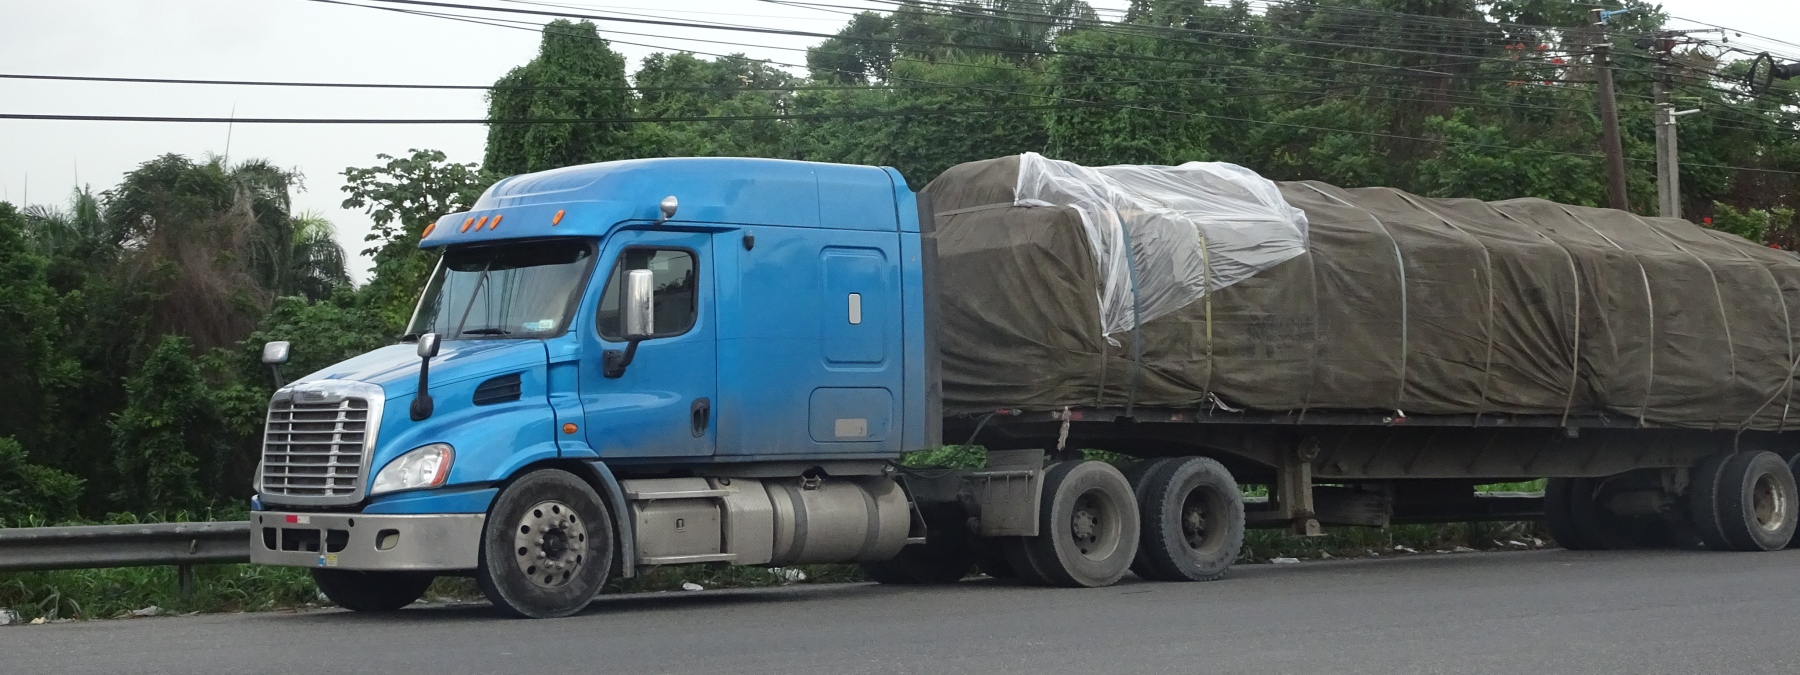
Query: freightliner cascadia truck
point(676, 361)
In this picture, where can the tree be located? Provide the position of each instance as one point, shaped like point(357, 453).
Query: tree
point(33, 492)
point(402, 196)
point(682, 85)
point(168, 450)
point(576, 76)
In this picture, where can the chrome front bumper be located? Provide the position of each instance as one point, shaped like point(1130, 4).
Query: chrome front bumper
point(355, 541)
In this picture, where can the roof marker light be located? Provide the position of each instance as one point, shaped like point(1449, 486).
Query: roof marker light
point(480, 223)
point(428, 228)
point(556, 219)
point(467, 223)
point(496, 222)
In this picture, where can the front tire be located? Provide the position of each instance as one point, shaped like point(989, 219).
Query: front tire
point(371, 591)
point(547, 547)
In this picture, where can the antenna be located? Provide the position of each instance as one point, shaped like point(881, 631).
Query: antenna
point(228, 126)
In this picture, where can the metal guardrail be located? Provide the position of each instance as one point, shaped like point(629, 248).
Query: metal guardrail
point(93, 546)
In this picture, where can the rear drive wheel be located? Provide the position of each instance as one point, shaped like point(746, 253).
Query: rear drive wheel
point(1757, 502)
point(990, 557)
point(1087, 526)
point(547, 546)
point(944, 558)
point(372, 591)
point(1193, 522)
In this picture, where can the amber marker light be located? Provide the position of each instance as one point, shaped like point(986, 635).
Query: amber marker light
point(496, 222)
point(480, 223)
point(466, 224)
point(556, 219)
point(569, 428)
point(428, 228)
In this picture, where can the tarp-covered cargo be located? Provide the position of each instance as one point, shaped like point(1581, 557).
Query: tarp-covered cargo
point(1397, 303)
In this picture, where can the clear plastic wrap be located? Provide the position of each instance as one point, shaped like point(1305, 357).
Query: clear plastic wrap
point(1188, 230)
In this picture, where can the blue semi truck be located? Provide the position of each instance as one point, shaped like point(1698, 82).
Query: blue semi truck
point(676, 361)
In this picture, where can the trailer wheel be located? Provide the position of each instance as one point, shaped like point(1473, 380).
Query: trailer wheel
point(1756, 502)
point(1577, 519)
point(1193, 521)
point(547, 546)
point(1087, 526)
point(1136, 474)
point(1794, 468)
point(1703, 501)
point(371, 591)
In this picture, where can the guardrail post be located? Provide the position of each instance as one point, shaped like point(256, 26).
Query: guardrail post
point(184, 575)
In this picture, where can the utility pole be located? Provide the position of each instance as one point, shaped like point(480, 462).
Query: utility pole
point(1609, 115)
point(1668, 175)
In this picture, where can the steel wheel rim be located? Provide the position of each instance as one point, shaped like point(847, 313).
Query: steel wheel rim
point(1094, 525)
point(1768, 504)
point(550, 544)
point(1201, 511)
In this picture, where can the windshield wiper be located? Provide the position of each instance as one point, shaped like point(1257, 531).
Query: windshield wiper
point(487, 331)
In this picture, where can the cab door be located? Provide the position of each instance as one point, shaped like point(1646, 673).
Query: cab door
point(662, 404)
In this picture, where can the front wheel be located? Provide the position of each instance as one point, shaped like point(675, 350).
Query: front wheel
point(371, 591)
point(547, 546)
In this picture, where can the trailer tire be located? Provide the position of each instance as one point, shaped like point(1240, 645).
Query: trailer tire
point(1135, 474)
point(1794, 468)
point(360, 591)
point(1703, 501)
point(1757, 502)
point(548, 523)
point(1192, 521)
point(1087, 526)
point(1559, 516)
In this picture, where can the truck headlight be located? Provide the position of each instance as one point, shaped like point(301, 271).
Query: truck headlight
point(422, 467)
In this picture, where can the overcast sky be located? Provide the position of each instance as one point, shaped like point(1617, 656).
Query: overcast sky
point(307, 40)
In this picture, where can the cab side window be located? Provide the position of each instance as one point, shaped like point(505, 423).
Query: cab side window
point(676, 297)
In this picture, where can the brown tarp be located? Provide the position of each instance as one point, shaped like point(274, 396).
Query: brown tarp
point(1421, 305)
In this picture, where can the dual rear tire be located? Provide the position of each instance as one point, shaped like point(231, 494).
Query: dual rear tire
point(1743, 501)
point(1176, 519)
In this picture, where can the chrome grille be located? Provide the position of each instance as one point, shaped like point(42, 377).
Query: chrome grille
point(315, 450)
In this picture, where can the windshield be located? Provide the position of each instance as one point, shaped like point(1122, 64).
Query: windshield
point(522, 289)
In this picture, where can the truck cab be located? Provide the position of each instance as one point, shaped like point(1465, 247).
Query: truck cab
point(616, 365)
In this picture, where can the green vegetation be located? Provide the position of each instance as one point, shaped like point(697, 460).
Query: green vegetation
point(132, 385)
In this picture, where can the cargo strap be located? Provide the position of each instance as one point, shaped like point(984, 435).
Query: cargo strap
point(1649, 311)
point(972, 209)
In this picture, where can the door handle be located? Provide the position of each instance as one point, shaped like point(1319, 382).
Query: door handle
point(700, 413)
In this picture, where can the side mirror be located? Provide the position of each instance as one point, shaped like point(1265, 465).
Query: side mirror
point(639, 310)
point(274, 354)
point(422, 403)
point(428, 345)
point(639, 305)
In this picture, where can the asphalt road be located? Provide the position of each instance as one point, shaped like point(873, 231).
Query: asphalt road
point(1541, 612)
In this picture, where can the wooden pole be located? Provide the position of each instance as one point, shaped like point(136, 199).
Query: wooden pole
point(1610, 142)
